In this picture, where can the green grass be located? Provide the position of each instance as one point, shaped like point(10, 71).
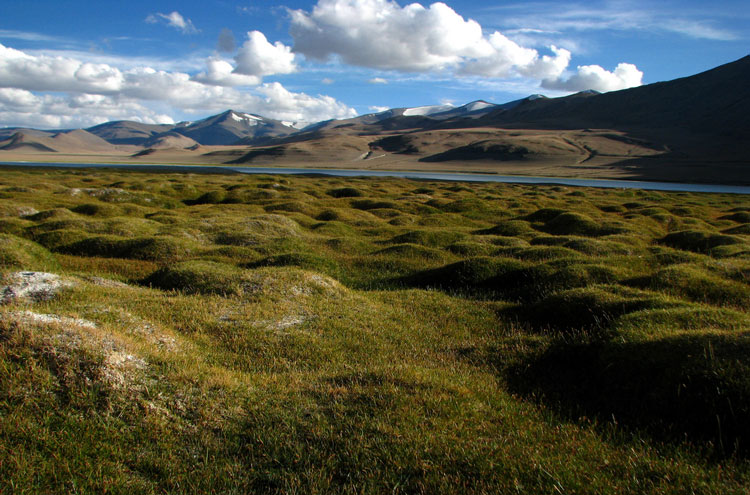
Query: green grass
point(260, 334)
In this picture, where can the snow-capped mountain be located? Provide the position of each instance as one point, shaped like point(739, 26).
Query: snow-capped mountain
point(231, 127)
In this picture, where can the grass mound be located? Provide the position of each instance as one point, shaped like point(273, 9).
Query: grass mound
point(15, 226)
point(160, 249)
point(699, 241)
point(472, 274)
point(412, 251)
point(308, 261)
point(347, 215)
point(57, 240)
point(591, 311)
point(198, 277)
point(691, 388)
point(738, 230)
point(544, 215)
point(258, 230)
point(334, 228)
point(697, 285)
point(430, 238)
point(585, 245)
point(542, 253)
point(690, 318)
point(292, 207)
point(23, 254)
point(531, 283)
point(345, 192)
point(509, 228)
point(208, 198)
point(290, 284)
point(571, 223)
point(739, 217)
point(373, 204)
point(470, 248)
point(97, 210)
point(53, 214)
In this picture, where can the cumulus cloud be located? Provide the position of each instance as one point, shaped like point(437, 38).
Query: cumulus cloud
point(377, 80)
point(173, 19)
point(222, 73)
point(25, 109)
point(257, 57)
point(510, 59)
point(415, 39)
point(44, 73)
point(101, 92)
point(597, 78)
point(283, 104)
point(381, 34)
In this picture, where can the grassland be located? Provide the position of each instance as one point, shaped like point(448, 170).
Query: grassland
point(259, 334)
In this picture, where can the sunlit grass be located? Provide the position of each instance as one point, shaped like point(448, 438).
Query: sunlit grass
point(235, 334)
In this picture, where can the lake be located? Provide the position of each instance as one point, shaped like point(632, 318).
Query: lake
point(442, 176)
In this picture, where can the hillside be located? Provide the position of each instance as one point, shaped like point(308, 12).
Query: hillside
point(67, 141)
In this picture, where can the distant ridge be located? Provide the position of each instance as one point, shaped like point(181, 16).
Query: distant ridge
point(695, 128)
point(65, 141)
point(127, 132)
point(715, 99)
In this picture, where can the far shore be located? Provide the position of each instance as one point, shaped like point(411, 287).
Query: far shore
point(654, 170)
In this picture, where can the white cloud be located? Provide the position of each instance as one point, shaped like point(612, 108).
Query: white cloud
point(597, 78)
point(378, 109)
point(44, 73)
point(222, 73)
point(377, 80)
point(20, 108)
point(620, 16)
point(511, 59)
point(30, 36)
point(175, 20)
point(383, 35)
point(99, 92)
point(257, 57)
point(327, 80)
point(281, 104)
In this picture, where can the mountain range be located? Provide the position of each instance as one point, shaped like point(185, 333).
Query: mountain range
point(695, 128)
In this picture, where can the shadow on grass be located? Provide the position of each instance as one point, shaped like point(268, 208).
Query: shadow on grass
point(693, 389)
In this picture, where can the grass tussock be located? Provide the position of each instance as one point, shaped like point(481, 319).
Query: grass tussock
point(261, 334)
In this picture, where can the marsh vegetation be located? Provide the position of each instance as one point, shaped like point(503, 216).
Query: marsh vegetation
point(234, 334)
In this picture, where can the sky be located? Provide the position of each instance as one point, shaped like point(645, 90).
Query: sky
point(75, 64)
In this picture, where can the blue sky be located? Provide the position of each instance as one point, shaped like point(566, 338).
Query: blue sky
point(78, 63)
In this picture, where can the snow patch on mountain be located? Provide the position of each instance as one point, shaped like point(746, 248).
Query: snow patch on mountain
point(426, 110)
point(246, 118)
point(478, 105)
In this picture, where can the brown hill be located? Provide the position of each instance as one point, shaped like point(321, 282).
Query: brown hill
point(170, 140)
point(77, 141)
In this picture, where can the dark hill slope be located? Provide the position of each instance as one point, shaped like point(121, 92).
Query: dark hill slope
point(714, 102)
point(127, 132)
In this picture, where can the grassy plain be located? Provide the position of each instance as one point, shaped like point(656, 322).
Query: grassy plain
point(260, 334)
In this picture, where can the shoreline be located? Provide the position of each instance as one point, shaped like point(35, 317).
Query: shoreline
point(405, 174)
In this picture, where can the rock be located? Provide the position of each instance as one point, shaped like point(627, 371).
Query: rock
point(31, 317)
point(33, 286)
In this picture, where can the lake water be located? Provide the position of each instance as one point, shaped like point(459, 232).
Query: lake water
point(454, 177)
